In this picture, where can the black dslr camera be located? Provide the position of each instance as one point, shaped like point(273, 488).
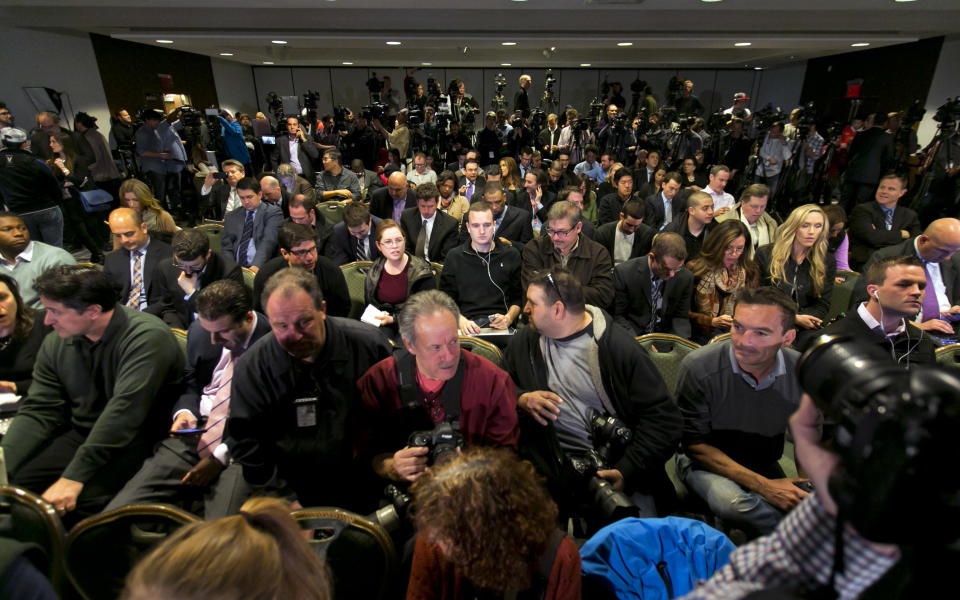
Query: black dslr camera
point(443, 441)
point(948, 111)
point(610, 436)
point(391, 515)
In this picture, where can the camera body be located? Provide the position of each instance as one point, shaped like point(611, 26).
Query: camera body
point(949, 111)
point(443, 441)
point(610, 435)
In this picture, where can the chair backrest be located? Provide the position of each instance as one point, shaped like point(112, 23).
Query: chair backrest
point(102, 549)
point(437, 269)
point(214, 233)
point(248, 277)
point(26, 517)
point(90, 265)
point(482, 348)
point(949, 355)
point(356, 273)
point(359, 553)
point(181, 337)
point(332, 211)
point(842, 295)
point(667, 351)
point(719, 338)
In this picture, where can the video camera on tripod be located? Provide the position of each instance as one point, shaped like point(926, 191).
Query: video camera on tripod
point(948, 112)
point(275, 106)
point(498, 101)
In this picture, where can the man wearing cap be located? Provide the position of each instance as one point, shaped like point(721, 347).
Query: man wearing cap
point(739, 108)
point(29, 189)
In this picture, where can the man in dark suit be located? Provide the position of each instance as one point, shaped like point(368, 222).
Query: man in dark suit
point(870, 156)
point(250, 232)
point(652, 293)
point(512, 224)
point(352, 239)
point(131, 268)
point(220, 195)
point(430, 233)
point(194, 267)
point(627, 238)
point(670, 195)
point(296, 149)
point(189, 467)
point(274, 193)
point(611, 205)
point(298, 249)
point(875, 225)
point(471, 180)
point(391, 201)
point(367, 179)
point(536, 196)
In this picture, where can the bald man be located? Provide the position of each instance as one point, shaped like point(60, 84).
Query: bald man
point(937, 247)
point(273, 193)
point(130, 267)
point(390, 202)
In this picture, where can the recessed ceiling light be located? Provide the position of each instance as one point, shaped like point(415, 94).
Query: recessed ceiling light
point(742, 44)
point(164, 41)
point(505, 64)
point(584, 64)
point(904, 0)
point(859, 44)
point(508, 43)
point(758, 68)
point(347, 62)
point(226, 54)
point(281, 42)
point(268, 62)
point(426, 64)
point(393, 43)
point(711, 0)
point(624, 43)
point(519, 0)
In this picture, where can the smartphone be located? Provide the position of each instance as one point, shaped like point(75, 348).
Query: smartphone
point(268, 139)
point(188, 432)
point(219, 175)
point(482, 321)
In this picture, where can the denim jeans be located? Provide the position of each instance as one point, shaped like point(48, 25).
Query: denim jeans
point(45, 226)
point(733, 504)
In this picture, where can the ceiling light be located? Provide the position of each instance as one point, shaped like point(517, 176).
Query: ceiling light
point(281, 42)
point(584, 64)
point(505, 64)
point(393, 43)
point(859, 44)
point(624, 43)
point(164, 41)
point(268, 62)
point(904, 0)
point(347, 62)
point(508, 43)
point(226, 54)
point(709, 1)
point(758, 68)
point(426, 64)
point(519, 0)
point(743, 44)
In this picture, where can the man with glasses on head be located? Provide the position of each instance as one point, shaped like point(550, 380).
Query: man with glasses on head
point(335, 182)
point(561, 246)
point(652, 293)
point(193, 267)
point(298, 249)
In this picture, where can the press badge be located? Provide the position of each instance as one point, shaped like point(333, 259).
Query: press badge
point(306, 411)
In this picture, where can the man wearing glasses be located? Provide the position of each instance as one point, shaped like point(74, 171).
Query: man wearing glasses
point(652, 293)
point(298, 249)
point(335, 182)
point(192, 268)
point(561, 246)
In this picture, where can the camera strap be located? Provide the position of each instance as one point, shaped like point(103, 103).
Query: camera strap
point(411, 397)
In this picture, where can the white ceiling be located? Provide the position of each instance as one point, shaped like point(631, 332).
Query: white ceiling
point(664, 33)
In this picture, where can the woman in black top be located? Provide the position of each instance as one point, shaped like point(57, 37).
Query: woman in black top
point(75, 176)
point(21, 333)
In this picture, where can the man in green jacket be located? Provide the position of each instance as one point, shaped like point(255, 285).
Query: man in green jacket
point(102, 390)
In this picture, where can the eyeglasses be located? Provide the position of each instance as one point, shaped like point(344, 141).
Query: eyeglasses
point(188, 268)
point(392, 243)
point(304, 253)
point(556, 288)
point(557, 232)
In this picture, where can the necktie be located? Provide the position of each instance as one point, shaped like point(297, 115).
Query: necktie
point(931, 308)
point(361, 249)
point(469, 191)
point(667, 212)
point(888, 218)
point(421, 249)
point(245, 238)
point(217, 418)
point(656, 304)
point(136, 289)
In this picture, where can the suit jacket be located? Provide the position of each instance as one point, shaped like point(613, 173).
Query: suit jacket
point(631, 299)
point(331, 279)
point(369, 181)
point(266, 227)
point(868, 232)
point(653, 208)
point(116, 265)
point(522, 200)
point(167, 301)
point(381, 202)
point(443, 237)
point(306, 154)
point(871, 155)
point(949, 271)
point(202, 359)
point(642, 239)
point(218, 196)
point(515, 227)
point(478, 183)
point(341, 248)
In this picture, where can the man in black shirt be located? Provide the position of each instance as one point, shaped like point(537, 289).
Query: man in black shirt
point(520, 101)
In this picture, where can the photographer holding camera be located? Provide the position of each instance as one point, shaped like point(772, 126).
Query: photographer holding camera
point(573, 366)
point(432, 397)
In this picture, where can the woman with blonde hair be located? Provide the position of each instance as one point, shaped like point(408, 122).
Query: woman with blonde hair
point(797, 262)
point(487, 528)
point(136, 194)
point(258, 554)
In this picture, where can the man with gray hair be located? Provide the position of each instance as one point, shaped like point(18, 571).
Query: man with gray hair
point(561, 246)
point(432, 381)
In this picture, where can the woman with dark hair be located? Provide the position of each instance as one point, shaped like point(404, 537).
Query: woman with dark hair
point(690, 178)
point(395, 276)
point(510, 175)
point(586, 184)
point(258, 554)
point(73, 177)
point(838, 241)
point(487, 528)
point(450, 201)
point(21, 333)
point(722, 269)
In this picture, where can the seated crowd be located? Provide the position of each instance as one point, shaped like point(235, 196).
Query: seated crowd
point(283, 388)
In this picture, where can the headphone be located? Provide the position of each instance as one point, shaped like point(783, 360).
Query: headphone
point(893, 352)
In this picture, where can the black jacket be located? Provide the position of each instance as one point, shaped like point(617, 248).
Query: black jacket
point(642, 239)
point(381, 202)
point(636, 391)
point(483, 285)
point(631, 299)
point(913, 341)
point(166, 298)
point(870, 156)
point(589, 263)
point(653, 208)
point(329, 275)
point(342, 247)
point(807, 301)
point(515, 227)
point(26, 183)
point(868, 231)
point(694, 244)
point(949, 271)
point(116, 266)
point(307, 152)
point(443, 237)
